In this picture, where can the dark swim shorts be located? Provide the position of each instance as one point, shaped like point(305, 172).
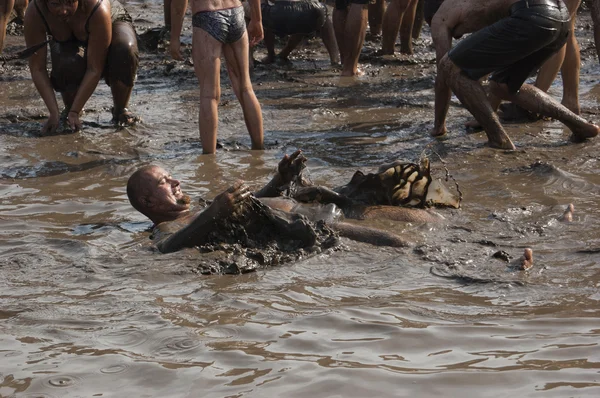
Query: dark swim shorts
point(226, 26)
point(515, 47)
point(343, 4)
point(294, 17)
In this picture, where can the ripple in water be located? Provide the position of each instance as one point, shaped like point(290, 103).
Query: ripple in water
point(62, 381)
point(114, 369)
point(36, 395)
point(176, 344)
point(124, 338)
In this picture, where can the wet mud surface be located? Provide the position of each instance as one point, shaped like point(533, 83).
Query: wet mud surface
point(89, 308)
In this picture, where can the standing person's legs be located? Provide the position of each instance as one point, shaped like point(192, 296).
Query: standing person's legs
point(206, 52)
point(340, 16)
point(376, 11)
point(328, 36)
point(354, 37)
point(6, 7)
point(167, 14)
point(290, 45)
point(121, 70)
point(236, 56)
point(269, 40)
point(418, 20)
point(406, 28)
point(391, 24)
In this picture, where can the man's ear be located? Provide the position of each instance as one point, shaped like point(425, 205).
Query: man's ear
point(146, 202)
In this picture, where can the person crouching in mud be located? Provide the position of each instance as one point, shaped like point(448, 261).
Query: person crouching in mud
point(154, 193)
point(512, 39)
point(296, 19)
point(89, 39)
point(219, 29)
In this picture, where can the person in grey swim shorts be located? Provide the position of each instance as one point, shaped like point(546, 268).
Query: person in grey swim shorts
point(219, 29)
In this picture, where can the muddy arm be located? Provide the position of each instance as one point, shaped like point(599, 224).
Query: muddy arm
point(196, 232)
point(288, 170)
point(372, 236)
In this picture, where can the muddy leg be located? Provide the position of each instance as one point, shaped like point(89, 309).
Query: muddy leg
point(328, 36)
point(236, 56)
point(376, 12)
point(570, 69)
point(391, 24)
point(270, 45)
point(368, 235)
point(339, 24)
point(292, 43)
point(418, 20)
point(535, 100)
point(473, 96)
point(6, 7)
point(122, 60)
point(406, 28)
point(354, 34)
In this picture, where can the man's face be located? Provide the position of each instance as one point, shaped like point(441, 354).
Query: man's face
point(165, 192)
point(63, 9)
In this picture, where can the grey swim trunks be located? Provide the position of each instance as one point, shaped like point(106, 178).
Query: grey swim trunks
point(226, 26)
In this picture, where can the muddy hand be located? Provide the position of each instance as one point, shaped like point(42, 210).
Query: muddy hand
point(233, 198)
point(73, 121)
point(51, 125)
point(290, 167)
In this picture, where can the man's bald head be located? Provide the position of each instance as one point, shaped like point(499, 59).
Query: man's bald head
point(139, 188)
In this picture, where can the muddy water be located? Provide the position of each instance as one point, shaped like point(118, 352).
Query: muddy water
point(88, 309)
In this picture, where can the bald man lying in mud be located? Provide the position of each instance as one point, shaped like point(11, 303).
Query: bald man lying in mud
point(307, 216)
point(512, 39)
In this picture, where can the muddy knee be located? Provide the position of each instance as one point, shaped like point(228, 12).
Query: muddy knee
point(123, 55)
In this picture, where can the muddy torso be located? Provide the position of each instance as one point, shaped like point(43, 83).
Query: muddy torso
point(467, 16)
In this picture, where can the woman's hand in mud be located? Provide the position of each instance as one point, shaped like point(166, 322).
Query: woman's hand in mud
point(73, 121)
point(51, 124)
point(255, 32)
point(232, 200)
point(175, 49)
point(290, 167)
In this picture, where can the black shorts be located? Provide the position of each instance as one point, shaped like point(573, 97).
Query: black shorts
point(515, 47)
point(294, 17)
point(343, 4)
point(430, 8)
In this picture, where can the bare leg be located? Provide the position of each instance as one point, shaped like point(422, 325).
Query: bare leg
point(167, 12)
point(535, 100)
point(328, 36)
point(6, 7)
point(418, 20)
point(291, 44)
point(391, 24)
point(473, 96)
point(236, 56)
point(596, 20)
point(123, 61)
point(206, 52)
point(406, 28)
point(570, 69)
point(354, 33)
point(376, 12)
point(339, 25)
point(270, 45)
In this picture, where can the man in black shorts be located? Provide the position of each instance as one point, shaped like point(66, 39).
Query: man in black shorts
point(512, 39)
point(296, 19)
point(350, 25)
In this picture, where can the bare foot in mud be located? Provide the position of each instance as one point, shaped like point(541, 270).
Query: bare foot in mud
point(527, 259)
point(588, 131)
point(438, 132)
point(568, 214)
point(357, 73)
point(125, 118)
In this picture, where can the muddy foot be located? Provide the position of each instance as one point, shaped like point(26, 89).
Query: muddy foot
point(269, 59)
point(505, 144)
point(589, 131)
point(473, 126)
point(125, 118)
point(527, 259)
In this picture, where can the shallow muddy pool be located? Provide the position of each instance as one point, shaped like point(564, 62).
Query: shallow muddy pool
point(87, 308)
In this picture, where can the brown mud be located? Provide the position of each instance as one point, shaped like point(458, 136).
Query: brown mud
point(88, 308)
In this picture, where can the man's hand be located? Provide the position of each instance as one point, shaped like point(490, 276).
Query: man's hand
point(290, 167)
point(73, 121)
point(51, 124)
point(175, 49)
point(232, 199)
point(255, 32)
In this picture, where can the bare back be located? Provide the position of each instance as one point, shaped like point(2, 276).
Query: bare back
point(467, 16)
point(213, 5)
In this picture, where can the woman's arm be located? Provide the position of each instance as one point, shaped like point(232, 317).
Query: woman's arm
point(100, 36)
point(35, 33)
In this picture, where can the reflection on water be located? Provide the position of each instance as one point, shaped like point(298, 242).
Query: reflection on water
point(89, 309)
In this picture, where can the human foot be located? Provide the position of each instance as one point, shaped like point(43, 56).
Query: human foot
point(125, 118)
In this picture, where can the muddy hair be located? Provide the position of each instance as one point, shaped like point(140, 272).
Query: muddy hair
point(137, 189)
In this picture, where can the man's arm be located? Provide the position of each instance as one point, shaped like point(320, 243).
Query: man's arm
point(196, 232)
point(289, 168)
point(441, 34)
point(178, 8)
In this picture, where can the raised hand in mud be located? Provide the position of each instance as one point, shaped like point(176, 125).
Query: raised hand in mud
point(290, 167)
point(232, 200)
